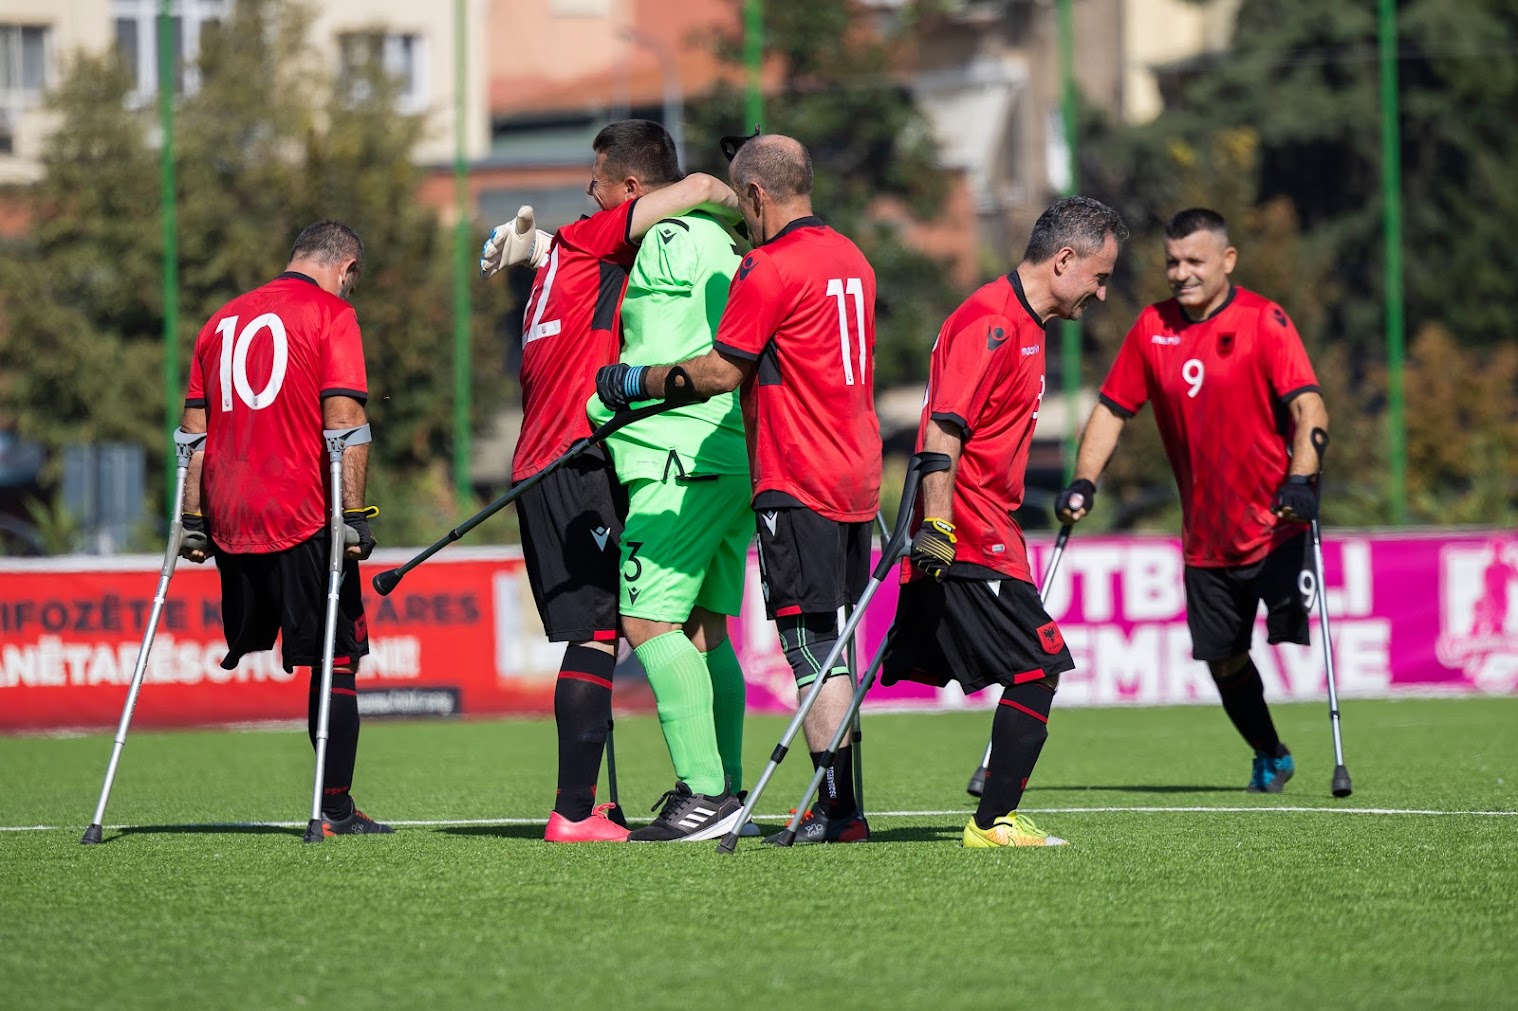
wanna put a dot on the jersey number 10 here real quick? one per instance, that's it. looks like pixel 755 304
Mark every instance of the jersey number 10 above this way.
pixel 234 360
pixel 840 288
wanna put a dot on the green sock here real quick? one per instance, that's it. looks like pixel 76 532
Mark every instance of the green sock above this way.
pixel 683 692
pixel 729 696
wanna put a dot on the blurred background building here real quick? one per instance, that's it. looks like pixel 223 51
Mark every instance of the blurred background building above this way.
pixel 941 128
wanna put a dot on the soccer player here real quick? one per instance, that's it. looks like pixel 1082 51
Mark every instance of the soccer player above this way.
pixel 1237 404
pixel 571 521
pixel 798 336
pixel 685 542
pixel 272 369
pixel 968 609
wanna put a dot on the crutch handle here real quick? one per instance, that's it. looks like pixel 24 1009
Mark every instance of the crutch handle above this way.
pixel 920 464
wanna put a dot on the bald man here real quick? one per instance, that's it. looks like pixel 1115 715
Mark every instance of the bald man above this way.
pixel 798 336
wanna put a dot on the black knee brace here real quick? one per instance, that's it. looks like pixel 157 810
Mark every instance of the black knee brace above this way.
pixel 807 640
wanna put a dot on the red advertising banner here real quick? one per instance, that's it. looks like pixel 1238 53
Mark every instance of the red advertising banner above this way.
pixel 1412 613
pixel 459 635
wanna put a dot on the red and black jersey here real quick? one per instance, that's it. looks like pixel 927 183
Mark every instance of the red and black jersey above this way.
pixel 1221 389
pixel 569 330
pixel 987 380
pixel 261 367
pixel 802 308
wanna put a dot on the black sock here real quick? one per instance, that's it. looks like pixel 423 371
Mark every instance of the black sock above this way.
pixel 342 740
pixel 1244 701
pixel 582 710
pixel 1018 732
pixel 837 792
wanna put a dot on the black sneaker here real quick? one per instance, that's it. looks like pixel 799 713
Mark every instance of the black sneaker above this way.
pixel 690 817
pixel 357 823
pixel 817 826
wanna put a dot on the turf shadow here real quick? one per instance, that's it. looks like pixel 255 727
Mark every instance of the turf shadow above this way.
pixel 1146 788
pixel 916 833
pixel 495 831
pixel 205 830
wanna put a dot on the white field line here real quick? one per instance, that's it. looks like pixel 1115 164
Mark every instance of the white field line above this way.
pixel 962 812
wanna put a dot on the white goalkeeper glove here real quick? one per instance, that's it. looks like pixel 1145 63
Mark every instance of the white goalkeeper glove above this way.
pixel 516 243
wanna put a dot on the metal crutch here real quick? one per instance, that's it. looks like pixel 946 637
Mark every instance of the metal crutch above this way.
pixel 186 445
pixel 337 439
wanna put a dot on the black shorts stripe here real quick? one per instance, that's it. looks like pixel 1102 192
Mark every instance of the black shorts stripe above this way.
pixel 809 564
pixel 283 594
pixel 571 543
pixel 1221 604
pixel 977 632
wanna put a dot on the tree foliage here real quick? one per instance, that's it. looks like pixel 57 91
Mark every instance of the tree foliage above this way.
pixel 1282 135
pixel 268 143
pixel 840 97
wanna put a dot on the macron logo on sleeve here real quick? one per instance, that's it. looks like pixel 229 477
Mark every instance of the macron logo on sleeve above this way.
pixel 746 266
pixel 995 338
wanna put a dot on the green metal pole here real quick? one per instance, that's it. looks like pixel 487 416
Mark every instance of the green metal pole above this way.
pixel 1391 193
pixel 461 262
pixel 753 59
pixel 173 391
pixel 1070 333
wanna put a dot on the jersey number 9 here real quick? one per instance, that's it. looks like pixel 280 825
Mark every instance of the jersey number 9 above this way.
pixel 1193 372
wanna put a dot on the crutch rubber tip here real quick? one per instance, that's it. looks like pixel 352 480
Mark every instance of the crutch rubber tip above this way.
pixel 729 843
pixel 787 837
pixel 977 784
pixel 1342 787
pixel 386 581
pixel 91 836
pixel 314 831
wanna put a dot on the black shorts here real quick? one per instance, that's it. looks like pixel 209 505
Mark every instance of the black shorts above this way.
pixel 809 564
pixel 978 632
pixel 284 593
pixel 571 540
pixel 1221 603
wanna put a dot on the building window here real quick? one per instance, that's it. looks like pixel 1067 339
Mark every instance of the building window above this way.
pixel 137 40
pixel 23 63
pixel 401 57
pixel 23 76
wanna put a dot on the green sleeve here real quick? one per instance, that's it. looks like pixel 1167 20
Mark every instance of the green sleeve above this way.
pixel 667 262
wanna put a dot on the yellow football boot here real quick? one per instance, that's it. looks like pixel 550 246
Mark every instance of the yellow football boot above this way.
pixel 1011 830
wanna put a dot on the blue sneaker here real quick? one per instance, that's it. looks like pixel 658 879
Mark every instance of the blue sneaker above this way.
pixel 1270 773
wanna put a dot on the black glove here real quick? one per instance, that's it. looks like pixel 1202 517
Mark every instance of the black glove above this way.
pixel 619 385
pixel 933 547
pixel 1297 497
pixel 1080 495
pixel 193 536
pixel 359 519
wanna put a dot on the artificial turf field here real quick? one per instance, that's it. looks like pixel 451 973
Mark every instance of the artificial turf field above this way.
pixel 1178 889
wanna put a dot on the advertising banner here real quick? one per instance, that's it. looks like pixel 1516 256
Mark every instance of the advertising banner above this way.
pixel 460 636
pixel 1409 614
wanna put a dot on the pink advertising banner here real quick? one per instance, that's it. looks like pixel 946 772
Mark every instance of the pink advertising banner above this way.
pixel 1409 614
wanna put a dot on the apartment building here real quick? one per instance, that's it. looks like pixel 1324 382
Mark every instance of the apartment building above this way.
pixel 415 42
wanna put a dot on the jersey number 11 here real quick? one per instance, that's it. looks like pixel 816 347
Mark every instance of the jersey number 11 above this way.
pixel 840 288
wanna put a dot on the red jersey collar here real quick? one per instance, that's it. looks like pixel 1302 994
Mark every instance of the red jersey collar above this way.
pixel 1017 286
pixel 810 221
pixel 1186 319
pixel 295 275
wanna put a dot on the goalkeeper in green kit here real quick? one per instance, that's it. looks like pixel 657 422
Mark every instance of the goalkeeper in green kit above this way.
pixel 689 523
